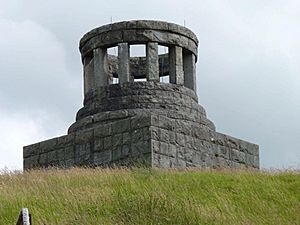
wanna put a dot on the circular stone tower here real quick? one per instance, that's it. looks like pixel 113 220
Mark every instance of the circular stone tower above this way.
pixel 130 116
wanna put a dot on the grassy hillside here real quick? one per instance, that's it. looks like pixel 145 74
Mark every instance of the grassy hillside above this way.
pixel 148 196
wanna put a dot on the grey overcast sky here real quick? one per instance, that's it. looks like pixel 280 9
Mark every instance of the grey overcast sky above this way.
pixel 248 70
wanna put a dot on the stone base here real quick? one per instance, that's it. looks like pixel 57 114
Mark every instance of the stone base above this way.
pixel 137 136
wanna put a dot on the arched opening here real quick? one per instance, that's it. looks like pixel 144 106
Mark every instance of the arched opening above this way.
pixel 137 59
pixel 112 54
pixel 138 50
pixel 163 52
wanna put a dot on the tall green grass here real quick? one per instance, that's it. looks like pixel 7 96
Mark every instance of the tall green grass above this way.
pixel 150 196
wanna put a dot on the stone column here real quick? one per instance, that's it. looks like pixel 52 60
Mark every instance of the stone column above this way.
pixel 88 74
pixel 101 67
pixel 123 61
pixel 152 64
pixel 189 68
pixel 176 65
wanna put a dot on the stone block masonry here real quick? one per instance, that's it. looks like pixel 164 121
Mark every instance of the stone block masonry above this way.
pixel 158 127
pixel 140 137
pixel 141 123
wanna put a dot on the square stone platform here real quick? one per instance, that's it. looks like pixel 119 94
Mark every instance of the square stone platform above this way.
pixel 139 137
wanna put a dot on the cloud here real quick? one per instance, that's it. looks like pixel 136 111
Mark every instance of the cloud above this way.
pixel 16 131
pixel 33 66
pixel 35 86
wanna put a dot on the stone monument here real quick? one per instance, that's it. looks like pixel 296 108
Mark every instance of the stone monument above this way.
pixel 128 122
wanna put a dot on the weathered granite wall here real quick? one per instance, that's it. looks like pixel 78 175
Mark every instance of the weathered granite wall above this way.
pixel 148 123
pixel 137 136
pixel 119 140
pixel 165 129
